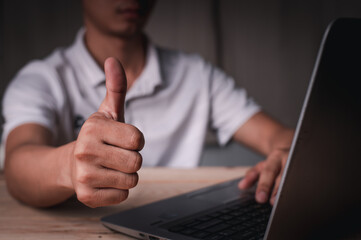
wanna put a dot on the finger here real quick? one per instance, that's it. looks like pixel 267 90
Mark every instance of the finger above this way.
pixel 116 85
pixel 251 176
pixel 113 133
pixel 120 159
pixel 123 136
pixel 101 197
pixel 266 180
pixel 107 178
pixel 275 189
pixel 116 179
pixel 278 180
pixel 249 179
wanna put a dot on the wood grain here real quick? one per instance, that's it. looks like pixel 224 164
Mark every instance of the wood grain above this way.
pixel 73 220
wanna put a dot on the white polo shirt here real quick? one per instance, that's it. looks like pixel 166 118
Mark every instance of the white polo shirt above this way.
pixel 173 102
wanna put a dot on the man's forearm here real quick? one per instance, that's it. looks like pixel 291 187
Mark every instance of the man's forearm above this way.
pixel 39 175
pixel 264 134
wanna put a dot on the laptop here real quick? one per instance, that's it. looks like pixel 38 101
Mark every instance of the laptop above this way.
pixel 320 191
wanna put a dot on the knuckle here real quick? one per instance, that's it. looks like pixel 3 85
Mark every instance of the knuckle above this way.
pixel 269 168
pixel 85 178
pixel 87 198
pixel 83 151
pixel 260 165
pixel 89 126
pixel 251 172
pixel 96 117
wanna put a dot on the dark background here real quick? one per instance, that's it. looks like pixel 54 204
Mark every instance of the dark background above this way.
pixel 268 46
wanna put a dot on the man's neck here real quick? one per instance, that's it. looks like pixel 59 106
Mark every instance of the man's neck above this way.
pixel 131 52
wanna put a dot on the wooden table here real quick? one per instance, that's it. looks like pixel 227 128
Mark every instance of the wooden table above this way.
pixel 72 220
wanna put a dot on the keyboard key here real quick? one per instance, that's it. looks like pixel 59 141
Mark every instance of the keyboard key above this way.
pixel 176 229
pixel 203 219
pixel 188 231
pixel 207 224
pixel 191 223
pixel 225 217
pixel 215 237
pixel 234 208
pixel 200 234
pixel 254 238
pixel 234 221
pixel 239 228
pixel 237 213
pixel 215 214
pixel 217 228
pixel 227 232
pixel 244 218
pixel 225 211
pixel 247 234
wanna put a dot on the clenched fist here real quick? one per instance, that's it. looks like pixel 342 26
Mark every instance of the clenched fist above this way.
pixel 106 154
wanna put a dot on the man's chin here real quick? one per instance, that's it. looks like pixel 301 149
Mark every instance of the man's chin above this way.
pixel 128 32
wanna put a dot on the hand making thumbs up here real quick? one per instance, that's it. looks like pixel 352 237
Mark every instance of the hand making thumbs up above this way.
pixel 106 157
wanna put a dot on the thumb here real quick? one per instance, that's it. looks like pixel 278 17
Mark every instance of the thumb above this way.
pixel 116 85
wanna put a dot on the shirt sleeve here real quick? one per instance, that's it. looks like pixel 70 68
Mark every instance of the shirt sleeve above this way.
pixel 29 99
pixel 230 105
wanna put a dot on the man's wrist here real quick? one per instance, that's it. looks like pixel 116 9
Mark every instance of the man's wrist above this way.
pixel 66 161
pixel 283 140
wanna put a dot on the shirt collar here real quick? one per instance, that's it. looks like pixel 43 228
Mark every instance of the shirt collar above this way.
pixel 150 78
pixel 145 84
pixel 95 75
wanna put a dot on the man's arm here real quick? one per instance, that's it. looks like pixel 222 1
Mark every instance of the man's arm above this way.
pixel 267 136
pixel 100 166
pixel 37 173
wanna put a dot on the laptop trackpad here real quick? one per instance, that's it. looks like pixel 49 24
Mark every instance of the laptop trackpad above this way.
pixel 223 193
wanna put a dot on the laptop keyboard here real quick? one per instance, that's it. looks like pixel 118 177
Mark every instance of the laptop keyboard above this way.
pixel 239 220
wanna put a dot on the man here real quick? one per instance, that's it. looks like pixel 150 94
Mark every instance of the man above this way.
pixel 171 97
